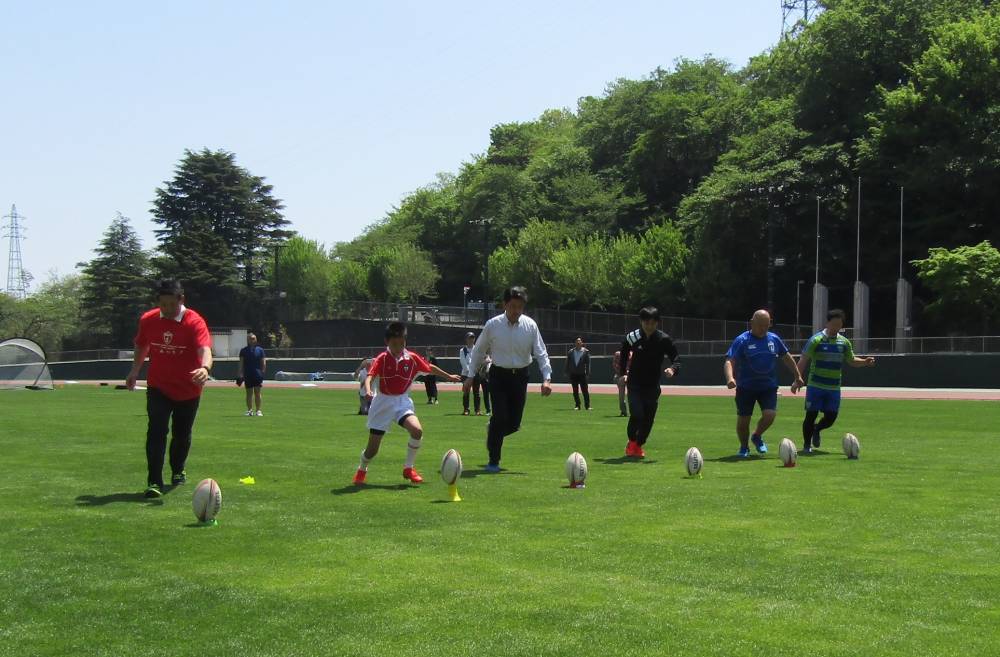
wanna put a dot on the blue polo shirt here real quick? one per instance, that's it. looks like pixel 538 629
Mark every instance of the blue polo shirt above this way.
pixel 756 360
pixel 253 362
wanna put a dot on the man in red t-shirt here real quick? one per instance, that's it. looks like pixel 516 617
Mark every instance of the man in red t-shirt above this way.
pixel 395 368
pixel 179 347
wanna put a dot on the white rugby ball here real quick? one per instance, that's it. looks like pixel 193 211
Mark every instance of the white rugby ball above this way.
pixel 576 469
pixel 693 461
pixel 852 448
pixel 207 500
pixel 787 452
pixel 451 467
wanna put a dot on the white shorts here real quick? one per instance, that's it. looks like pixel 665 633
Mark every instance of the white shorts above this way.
pixel 387 410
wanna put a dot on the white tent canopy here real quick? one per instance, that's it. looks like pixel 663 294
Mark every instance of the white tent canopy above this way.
pixel 23 365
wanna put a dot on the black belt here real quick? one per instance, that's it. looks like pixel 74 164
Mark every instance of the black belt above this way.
pixel 508 370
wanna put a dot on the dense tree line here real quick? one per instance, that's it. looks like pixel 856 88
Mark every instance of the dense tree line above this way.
pixel 670 188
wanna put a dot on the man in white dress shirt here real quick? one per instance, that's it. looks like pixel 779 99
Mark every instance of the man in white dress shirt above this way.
pixel 511 339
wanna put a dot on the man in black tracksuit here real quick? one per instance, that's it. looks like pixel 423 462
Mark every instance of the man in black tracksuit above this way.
pixel 647 346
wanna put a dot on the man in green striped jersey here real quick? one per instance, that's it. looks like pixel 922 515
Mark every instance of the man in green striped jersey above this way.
pixel 823 358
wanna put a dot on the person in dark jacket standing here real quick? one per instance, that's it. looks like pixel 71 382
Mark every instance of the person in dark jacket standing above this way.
pixel 578 372
pixel 647 346
pixel 430 381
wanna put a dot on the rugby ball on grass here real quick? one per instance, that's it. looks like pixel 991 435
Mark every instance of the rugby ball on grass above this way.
pixel 851 446
pixel 207 500
pixel 576 470
pixel 693 461
pixel 451 467
pixel 787 452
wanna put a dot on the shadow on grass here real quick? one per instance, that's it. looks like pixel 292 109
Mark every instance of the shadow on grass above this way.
pixel 815 452
pixel 350 489
pixel 483 472
pixel 622 460
pixel 101 500
pixel 735 458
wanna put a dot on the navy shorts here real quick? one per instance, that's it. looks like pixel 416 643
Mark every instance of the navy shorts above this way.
pixel 253 382
pixel 746 399
pixel 819 399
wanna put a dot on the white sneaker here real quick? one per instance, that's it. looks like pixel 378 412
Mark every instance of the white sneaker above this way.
pixel 249 413
pixel 260 413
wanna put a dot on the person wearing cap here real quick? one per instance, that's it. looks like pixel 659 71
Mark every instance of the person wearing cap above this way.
pixel 179 346
pixel 465 359
pixel 512 340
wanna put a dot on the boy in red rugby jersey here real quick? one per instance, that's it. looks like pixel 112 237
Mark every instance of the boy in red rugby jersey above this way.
pixel 396 367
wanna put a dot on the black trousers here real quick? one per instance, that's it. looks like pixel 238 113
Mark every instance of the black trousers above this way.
pixel 431 386
pixel 579 381
pixel 642 403
pixel 160 408
pixel 509 390
pixel 477 382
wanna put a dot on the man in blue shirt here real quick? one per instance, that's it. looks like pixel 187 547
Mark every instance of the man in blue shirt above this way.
pixel 754 356
pixel 253 365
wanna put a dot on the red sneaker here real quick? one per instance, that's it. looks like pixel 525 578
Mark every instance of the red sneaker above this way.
pixel 359 477
pixel 639 452
pixel 412 475
pixel 630 449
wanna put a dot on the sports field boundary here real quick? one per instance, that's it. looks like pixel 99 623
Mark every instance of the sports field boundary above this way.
pixel 930 394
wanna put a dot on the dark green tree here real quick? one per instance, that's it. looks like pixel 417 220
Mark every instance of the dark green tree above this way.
pixel 116 285
pixel 219 224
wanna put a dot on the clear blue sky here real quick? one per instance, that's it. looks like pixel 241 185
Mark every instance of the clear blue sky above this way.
pixel 343 108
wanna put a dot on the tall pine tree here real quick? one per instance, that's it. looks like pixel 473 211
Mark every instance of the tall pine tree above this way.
pixel 219 225
pixel 116 286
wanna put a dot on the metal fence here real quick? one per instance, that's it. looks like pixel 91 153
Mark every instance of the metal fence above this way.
pixel 586 322
pixel 931 345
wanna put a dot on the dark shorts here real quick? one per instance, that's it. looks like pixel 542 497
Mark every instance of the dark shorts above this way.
pixel 821 400
pixel 253 383
pixel 747 399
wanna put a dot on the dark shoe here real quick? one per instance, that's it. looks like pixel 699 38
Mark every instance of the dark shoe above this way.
pixel 154 491
pixel 178 478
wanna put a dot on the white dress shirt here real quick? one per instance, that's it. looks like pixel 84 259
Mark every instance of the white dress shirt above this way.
pixel 511 346
pixel 464 359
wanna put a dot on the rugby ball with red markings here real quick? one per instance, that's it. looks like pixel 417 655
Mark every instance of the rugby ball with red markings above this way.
pixel 207 500
pixel 576 470
pixel 451 467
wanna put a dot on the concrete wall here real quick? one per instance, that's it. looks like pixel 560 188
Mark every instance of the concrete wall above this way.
pixel 907 371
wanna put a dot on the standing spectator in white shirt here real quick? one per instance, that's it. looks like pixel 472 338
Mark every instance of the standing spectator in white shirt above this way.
pixel 512 339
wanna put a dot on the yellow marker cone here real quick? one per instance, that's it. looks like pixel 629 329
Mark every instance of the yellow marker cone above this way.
pixel 249 480
pixel 453 493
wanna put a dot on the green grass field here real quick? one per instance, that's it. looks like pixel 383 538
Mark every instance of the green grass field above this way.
pixel 894 554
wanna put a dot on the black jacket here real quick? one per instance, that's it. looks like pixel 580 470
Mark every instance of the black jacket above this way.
pixel 584 366
pixel 647 357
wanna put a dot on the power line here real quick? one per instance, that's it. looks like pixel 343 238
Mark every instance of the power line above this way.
pixel 17 281
pixel 795 15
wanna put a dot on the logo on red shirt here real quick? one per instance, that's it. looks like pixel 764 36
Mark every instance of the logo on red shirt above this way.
pixel 167 337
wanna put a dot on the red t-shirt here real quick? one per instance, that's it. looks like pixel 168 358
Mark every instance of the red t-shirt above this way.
pixel 396 374
pixel 173 351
